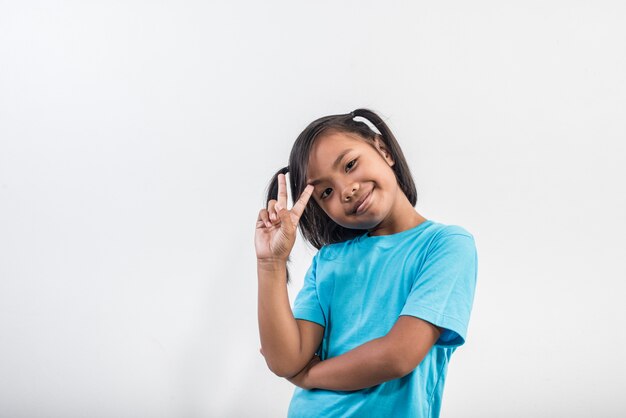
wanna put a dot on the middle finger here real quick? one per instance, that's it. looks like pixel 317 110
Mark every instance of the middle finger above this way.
pixel 282 191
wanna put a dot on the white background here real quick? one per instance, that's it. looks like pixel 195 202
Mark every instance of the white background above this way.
pixel 137 140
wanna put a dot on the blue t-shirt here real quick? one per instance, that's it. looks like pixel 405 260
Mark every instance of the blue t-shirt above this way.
pixel 357 289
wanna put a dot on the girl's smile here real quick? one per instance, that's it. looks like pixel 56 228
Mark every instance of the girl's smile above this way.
pixel 356 186
pixel 362 204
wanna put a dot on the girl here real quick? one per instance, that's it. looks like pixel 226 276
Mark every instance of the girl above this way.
pixel 388 296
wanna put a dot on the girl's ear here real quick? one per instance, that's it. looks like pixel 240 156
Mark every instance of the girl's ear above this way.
pixel 382 149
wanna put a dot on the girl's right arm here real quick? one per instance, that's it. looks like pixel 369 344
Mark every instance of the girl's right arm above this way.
pixel 287 345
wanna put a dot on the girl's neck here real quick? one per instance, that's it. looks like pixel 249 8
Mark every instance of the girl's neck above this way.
pixel 403 217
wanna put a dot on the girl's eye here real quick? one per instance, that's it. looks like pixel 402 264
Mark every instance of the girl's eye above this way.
pixel 322 196
pixel 350 164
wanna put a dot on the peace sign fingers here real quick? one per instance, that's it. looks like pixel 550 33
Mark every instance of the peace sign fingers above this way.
pixel 276 226
pixel 298 208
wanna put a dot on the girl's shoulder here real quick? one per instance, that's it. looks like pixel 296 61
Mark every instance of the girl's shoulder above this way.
pixel 440 230
pixel 443 235
pixel 451 239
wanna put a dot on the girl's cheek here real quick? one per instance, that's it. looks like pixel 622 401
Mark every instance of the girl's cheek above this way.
pixel 328 211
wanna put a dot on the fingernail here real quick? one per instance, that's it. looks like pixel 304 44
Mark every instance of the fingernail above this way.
pixel 273 216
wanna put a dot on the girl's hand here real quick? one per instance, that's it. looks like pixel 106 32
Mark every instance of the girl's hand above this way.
pixel 302 378
pixel 276 226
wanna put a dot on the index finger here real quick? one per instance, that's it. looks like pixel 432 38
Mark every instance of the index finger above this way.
pixel 298 207
pixel 282 191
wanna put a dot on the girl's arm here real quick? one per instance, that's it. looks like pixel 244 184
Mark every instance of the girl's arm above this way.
pixel 377 361
pixel 287 345
pixel 280 338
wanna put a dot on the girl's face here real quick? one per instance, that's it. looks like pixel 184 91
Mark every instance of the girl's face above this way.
pixel 354 182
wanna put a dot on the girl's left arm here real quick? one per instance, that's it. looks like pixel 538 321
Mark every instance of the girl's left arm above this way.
pixel 377 361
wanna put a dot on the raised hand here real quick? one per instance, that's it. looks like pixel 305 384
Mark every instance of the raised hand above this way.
pixel 276 226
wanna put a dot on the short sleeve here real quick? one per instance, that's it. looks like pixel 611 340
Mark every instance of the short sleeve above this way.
pixel 307 305
pixel 443 291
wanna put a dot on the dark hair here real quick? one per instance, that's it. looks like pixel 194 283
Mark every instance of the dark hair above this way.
pixel 315 226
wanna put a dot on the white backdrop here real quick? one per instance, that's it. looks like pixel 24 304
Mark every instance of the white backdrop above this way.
pixel 137 139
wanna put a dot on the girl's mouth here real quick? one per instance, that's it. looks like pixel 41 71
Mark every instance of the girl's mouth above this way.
pixel 363 206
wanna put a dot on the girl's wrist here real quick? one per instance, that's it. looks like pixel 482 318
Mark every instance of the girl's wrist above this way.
pixel 271 264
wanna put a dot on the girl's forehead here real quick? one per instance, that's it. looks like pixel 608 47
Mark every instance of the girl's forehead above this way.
pixel 333 136
pixel 334 143
pixel 328 145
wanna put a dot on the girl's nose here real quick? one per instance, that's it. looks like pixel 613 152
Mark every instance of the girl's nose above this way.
pixel 349 191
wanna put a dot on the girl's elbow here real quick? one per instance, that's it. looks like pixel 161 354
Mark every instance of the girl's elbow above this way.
pixel 282 370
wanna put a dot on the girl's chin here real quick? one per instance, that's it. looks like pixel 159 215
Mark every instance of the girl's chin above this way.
pixel 361 225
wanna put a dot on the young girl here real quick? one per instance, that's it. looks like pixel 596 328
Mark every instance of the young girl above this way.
pixel 388 296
